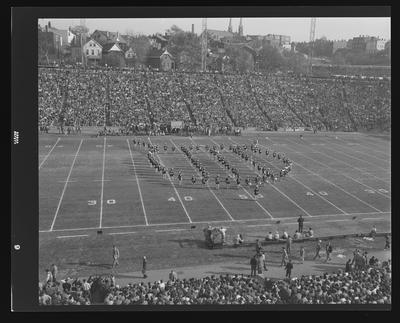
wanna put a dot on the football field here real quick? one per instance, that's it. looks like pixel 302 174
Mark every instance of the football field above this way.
pixel 87 184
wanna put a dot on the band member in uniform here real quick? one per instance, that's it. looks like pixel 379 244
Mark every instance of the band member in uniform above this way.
pixel 238 181
pixel 180 178
pixel 193 179
pixel 164 172
pixel 217 182
pixel 115 257
pixel 247 181
pixel 171 173
pixel 204 180
pixel 227 181
pixel 256 191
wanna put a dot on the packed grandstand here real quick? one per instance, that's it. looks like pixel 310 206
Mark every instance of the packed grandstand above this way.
pixel 368 285
pixel 131 99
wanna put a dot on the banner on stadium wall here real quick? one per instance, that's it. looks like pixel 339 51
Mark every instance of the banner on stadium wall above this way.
pixel 177 124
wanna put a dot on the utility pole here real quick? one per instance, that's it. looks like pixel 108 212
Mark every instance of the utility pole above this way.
pixel 312 39
pixel 204 46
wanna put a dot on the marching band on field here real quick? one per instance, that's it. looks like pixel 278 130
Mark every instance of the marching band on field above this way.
pixel 242 151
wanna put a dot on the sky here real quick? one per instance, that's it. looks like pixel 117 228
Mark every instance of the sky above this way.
pixel 297 28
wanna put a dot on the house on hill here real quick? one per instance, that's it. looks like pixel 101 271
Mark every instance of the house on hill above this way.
pixel 107 37
pixel 113 55
pixel 93 52
pixel 167 62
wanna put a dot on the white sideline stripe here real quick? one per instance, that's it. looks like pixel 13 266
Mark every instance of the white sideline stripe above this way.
pixel 48 154
pixel 275 188
pixel 65 186
pixel 295 179
pixel 222 221
pixel 337 171
pixel 80 235
pixel 338 220
pixel 137 182
pixel 253 198
pixel 102 180
pixel 220 203
pixel 122 232
pixel 365 219
pixel 173 185
pixel 328 181
pixel 102 184
pixel 171 230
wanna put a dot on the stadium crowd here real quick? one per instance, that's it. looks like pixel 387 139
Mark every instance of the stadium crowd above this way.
pixel 370 284
pixel 209 102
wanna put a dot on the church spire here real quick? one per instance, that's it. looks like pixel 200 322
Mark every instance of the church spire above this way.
pixel 230 25
pixel 240 28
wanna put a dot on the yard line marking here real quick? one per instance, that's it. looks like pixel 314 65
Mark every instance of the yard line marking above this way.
pixel 171 230
pixel 292 177
pixel 65 186
pixel 376 150
pixel 353 179
pixel 365 219
pixel 48 154
pixel 260 225
pixel 112 233
pixel 350 156
pixel 102 180
pixel 361 152
pixel 275 188
pixel 220 203
pixel 359 169
pixel 268 213
pixel 338 220
pixel 328 181
pixel 249 194
pixel 102 184
pixel 80 235
pixel 137 182
pixel 217 221
pixel 173 185
pixel 72 181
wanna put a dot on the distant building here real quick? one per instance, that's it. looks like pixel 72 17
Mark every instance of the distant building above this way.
pixel 220 35
pixel 108 37
pixel 375 45
pixel 338 44
pixel 92 51
pixel 166 61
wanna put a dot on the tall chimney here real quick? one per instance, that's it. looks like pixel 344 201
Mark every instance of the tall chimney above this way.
pixel 192 28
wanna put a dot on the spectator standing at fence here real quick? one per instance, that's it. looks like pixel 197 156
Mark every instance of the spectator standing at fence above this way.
pixel 49 277
pixel 289 241
pixel 328 250
pixel 253 266
pixel 300 220
pixel 387 242
pixel 289 267
pixel 348 267
pixel 54 272
pixel 144 267
pixel 318 249
pixel 173 276
pixel 285 256
pixel 302 254
pixel 115 257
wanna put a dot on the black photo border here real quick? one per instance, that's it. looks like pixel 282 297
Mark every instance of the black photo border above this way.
pixel 24 119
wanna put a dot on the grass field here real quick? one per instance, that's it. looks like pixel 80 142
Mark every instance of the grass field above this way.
pixel 90 183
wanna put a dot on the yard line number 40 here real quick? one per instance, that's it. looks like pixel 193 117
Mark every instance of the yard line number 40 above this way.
pixel 94 202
